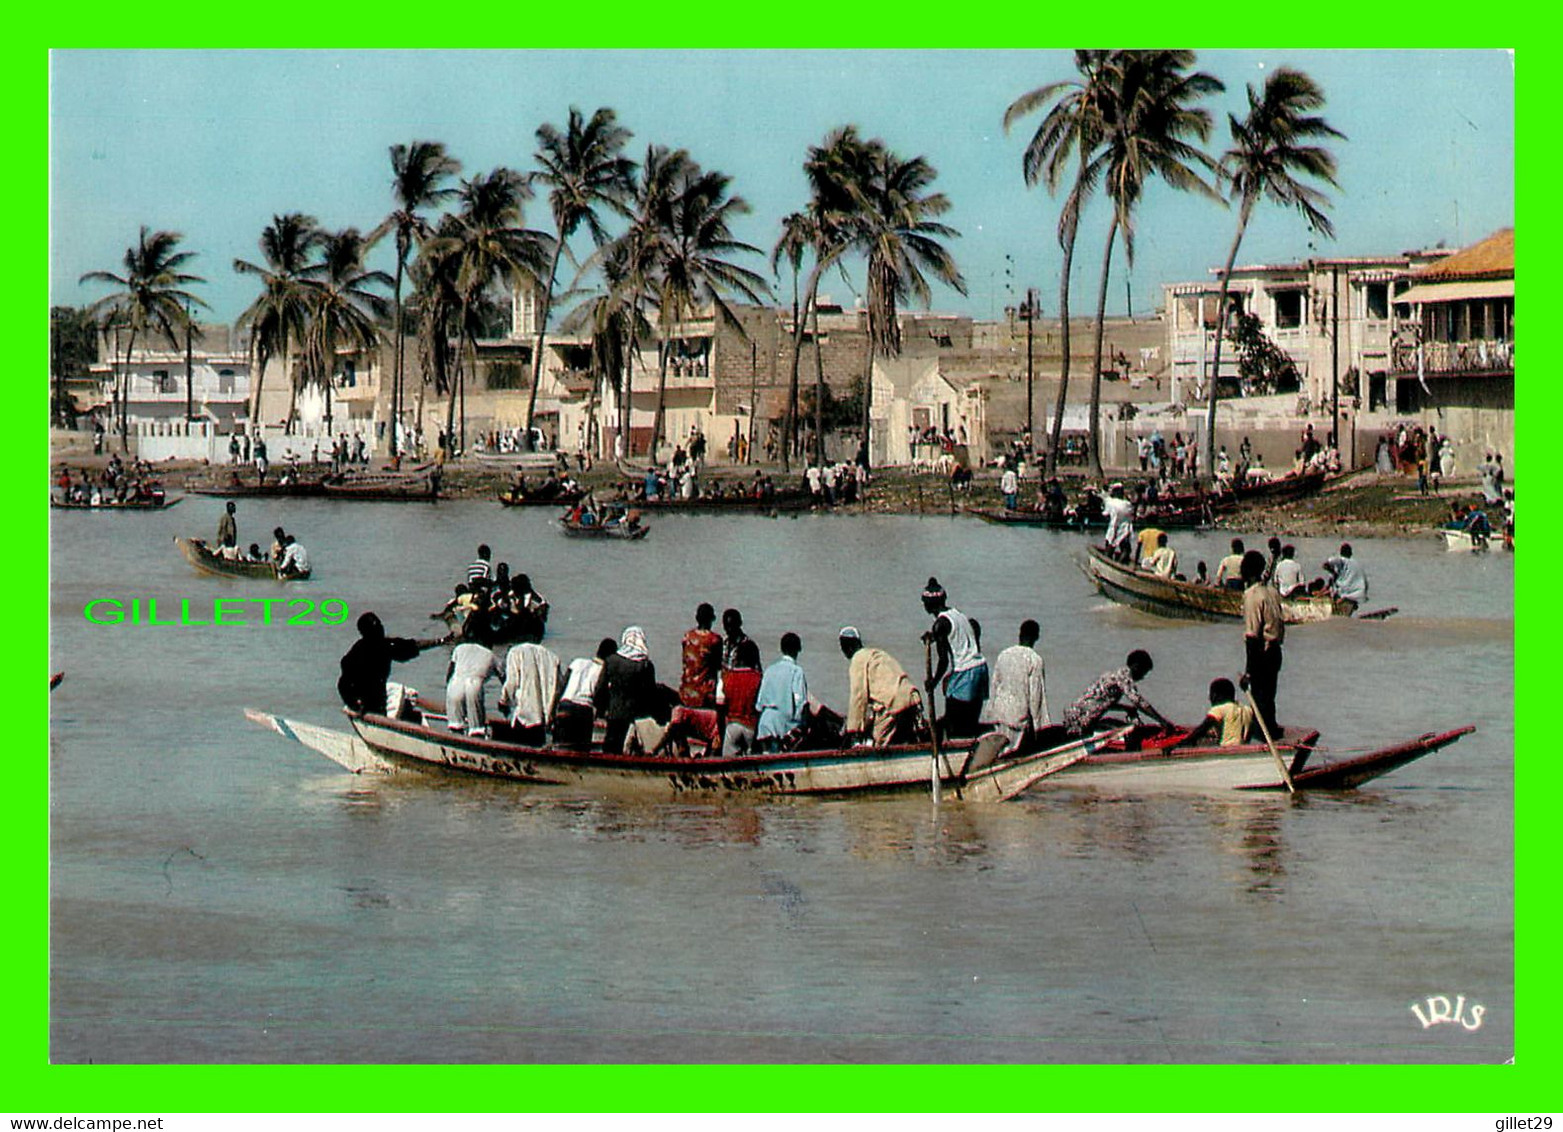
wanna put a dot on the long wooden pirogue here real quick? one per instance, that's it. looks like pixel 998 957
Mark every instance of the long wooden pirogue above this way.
pixel 1127 758
pixel 1191 601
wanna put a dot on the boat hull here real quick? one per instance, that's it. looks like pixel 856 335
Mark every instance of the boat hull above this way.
pixel 1190 602
pixel 143 505
pixel 853 770
pixel 611 531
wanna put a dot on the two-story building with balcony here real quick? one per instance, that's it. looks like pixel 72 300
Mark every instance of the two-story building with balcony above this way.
pixel 1453 362
pixel 1332 316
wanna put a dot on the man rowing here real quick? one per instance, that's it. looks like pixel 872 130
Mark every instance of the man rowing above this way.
pixel 960 666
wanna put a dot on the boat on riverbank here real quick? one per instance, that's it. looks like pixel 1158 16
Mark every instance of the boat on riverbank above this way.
pixel 382 743
pixel 1189 601
pixel 240 489
pixel 390 487
pixel 200 555
pixel 156 503
pixel 1183 517
pixel 540 499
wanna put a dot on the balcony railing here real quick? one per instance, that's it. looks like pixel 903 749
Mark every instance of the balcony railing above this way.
pixel 1482 355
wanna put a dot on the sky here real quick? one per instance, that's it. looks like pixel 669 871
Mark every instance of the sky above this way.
pixel 213 144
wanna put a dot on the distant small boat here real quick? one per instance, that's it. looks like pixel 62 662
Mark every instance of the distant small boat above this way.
pixel 158 502
pixel 199 555
pixel 618 529
pixel 54 681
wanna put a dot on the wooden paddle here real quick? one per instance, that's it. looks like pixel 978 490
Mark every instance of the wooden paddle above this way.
pixel 1264 729
pixel 933 723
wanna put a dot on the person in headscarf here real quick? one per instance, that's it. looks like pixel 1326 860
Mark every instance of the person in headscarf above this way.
pixel 367 665
pixel 626 691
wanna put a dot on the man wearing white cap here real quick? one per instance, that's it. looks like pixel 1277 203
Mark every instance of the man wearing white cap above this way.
pixel 881 697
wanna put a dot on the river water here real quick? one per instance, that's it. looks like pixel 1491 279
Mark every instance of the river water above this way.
pixel 222 895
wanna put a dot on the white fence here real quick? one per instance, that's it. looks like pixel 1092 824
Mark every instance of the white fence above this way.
pixel 203 440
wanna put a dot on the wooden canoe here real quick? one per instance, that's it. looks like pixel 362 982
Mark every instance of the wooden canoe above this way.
pixel 1190 601
pixel 429 745
pixel 383 489
pixel 162 504
pixel 272 490
pixel 1466 541
pixel 734 504
pixel 508 499
pixel 54 681
pixel 199 555
pixel 615 530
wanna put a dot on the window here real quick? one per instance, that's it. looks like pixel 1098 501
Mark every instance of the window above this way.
pixel 163 382
pixel 1288 310
pixel 508 375
pixel 225 381
pixel 349 373
pixel 1376 296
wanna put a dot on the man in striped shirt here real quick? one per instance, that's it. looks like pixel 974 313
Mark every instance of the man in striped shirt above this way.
pixel 481 570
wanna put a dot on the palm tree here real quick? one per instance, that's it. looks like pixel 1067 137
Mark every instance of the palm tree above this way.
pixel 1149 114
pixel 1072 127
pixel 584 171
pixel 1271 148
pixel 609 317
pixel 152 297
pixel 800 234
pixel 893 225
pixel 490 246
pixel 436 303
pixel 418 173
pixel 343 310
pixel 693 270
pixel 636 257
pixel 280 313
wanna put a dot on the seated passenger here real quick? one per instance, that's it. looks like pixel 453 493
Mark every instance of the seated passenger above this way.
pixel 1227 719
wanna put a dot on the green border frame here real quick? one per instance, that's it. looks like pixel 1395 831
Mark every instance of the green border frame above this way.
pixel 32 1085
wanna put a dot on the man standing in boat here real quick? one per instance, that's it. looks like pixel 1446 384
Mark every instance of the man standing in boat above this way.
pixel 1019 705
pixel 367 665
pixel 228 527
pixel 960 666
pixel 1119 539
pixel 1263 634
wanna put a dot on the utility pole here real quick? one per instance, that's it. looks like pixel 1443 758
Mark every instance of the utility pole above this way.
pixel 754 396
pixel 1031 314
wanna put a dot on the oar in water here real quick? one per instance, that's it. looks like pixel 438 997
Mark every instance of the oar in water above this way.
pixel 1264 729
pixel 933 722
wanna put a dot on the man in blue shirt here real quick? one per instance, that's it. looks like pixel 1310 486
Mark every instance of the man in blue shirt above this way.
pixel 783 700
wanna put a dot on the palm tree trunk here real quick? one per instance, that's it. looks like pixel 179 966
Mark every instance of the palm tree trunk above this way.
pixel 662 386
pixel 1057 432
pixel 868 390
pixel 124 397
pixel 810 293
pixel 396 353
pixel 819 390
pixel 791 427
pixel 1221 327
pixel 1096 357
pixel 542 331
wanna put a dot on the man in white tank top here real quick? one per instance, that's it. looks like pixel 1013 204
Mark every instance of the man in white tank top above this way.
pixel 961 666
